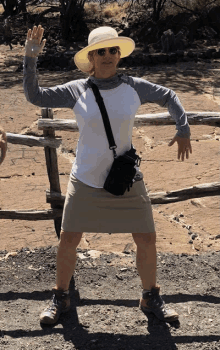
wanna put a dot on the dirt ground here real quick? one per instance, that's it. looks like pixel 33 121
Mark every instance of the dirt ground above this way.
pixel 104 303
pixel 24 178
pixel 103 316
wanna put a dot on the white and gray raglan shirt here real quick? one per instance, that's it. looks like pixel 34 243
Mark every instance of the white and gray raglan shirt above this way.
pixel 122 96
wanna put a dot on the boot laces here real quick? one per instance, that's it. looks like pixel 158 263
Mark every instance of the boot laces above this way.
pixel 55 303
pixel 157 301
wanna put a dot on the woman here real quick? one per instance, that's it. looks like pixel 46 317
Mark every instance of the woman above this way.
pixel 88 207
pixel 3 144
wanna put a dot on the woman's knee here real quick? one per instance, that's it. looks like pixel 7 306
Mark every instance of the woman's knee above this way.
pixel 70 238
pixel 144 239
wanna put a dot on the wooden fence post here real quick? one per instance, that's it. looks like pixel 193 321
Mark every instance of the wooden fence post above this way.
pixel 52 167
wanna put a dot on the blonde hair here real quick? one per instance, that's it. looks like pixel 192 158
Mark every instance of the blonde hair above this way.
pixel 91 53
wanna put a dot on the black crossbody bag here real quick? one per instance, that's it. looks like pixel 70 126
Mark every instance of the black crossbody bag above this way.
pixel 122 172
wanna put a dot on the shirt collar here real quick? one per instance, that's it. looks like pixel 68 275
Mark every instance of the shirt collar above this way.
pixel 106 84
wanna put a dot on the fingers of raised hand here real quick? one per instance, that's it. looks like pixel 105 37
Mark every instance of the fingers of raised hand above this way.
pixel 35 34
pixel 42 45
pixel 29 34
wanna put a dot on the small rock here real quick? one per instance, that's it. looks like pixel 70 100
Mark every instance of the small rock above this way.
pixel 8 255
pixel 197 203
pixel 82 256
pixel 94 253
pixel 191 241
pixel 119 277
pixel 124 269
pixel 194 235
pixel 127 248
pixel 217 237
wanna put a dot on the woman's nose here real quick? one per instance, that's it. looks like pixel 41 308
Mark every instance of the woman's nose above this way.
pixel 107 52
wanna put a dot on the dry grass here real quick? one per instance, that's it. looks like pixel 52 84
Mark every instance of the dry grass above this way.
pixel 37 9
pixel 92 7
pixel 192 5
pixel 108 10
pixel 115 10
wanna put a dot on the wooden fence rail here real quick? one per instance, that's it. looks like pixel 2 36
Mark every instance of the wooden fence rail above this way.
pixel 50 143
pixel 203 190
pixel 194 118
pixel 57 198
pixel 33 140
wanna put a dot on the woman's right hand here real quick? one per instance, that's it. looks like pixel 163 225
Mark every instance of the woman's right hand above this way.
pixel 34 43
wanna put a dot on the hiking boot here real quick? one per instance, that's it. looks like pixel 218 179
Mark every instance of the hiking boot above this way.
pixel 151 302
pixel 60 303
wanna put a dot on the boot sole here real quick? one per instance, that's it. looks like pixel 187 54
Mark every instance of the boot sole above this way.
pixel 168 319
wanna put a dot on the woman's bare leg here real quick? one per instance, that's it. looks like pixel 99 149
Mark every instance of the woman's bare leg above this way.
pixel 146 258
pixel 66 258
pixel 151 301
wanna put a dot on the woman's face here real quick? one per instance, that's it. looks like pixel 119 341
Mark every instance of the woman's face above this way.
pixel 105 61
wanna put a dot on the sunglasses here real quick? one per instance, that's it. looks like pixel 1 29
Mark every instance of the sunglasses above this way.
pixel 112 51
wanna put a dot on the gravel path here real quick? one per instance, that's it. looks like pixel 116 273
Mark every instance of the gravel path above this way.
pixel 105 295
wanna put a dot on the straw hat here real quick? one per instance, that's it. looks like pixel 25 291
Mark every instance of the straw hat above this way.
pixel 99 38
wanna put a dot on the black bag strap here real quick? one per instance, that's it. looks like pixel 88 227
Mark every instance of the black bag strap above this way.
pixel 105 117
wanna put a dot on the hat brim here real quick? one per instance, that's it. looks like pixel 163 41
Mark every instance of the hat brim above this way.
pixel 127 46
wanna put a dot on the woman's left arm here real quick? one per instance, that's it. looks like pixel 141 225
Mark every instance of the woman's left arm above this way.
pixel 149 92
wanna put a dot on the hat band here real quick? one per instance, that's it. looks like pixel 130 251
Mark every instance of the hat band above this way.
pixel 101 37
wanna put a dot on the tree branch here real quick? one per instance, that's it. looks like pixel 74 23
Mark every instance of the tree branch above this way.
pixel 182 7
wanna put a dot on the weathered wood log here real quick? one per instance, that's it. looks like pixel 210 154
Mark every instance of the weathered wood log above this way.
pixel 203 190
pixel 55 197
pixel 52 167
pixel 58 124
pixel 33 141
pixel 194 118
pixel 32 215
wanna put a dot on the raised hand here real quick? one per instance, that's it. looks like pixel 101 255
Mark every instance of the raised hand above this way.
pixel 184 147
pixel 34 44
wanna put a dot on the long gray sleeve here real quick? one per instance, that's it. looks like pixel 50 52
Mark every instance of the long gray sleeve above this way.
pixel 149 92
pixel 60 96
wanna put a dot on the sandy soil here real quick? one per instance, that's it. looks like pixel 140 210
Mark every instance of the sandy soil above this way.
pixel 24 178
pixel 104 310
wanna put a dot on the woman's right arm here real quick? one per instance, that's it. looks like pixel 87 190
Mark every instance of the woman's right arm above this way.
pixel 3 144
pixel 60 96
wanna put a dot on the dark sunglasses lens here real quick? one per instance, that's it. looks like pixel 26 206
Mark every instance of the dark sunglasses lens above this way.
pixel 101 52
pixel 113 50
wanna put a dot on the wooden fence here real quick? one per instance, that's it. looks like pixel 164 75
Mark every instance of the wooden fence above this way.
pixel 51 143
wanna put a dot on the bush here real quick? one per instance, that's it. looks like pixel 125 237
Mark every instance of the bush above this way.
pixel 92 7
pixel 115 10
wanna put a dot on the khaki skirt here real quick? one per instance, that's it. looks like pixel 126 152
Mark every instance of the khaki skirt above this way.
pixel 89 209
